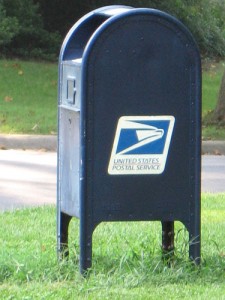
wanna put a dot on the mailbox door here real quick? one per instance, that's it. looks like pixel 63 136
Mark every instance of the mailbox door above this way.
pixel 140 67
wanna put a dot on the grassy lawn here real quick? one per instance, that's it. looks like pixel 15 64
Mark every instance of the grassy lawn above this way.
pixel 28 97
pixel 211 79
pixel 126 259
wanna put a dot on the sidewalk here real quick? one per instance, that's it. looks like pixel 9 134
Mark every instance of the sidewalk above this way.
pixel 49 143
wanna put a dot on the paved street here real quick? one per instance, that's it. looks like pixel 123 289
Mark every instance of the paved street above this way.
pixel 213 173
pixel 28 178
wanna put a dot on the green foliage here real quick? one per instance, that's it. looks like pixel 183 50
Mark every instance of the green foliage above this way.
pixel 27 37
pixel 206 20
pixel 58 15
pixel 35 28
pixel 8 26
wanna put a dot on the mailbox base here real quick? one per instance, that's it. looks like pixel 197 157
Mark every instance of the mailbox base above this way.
pixel 86 233
pixel 195 243
pixel 168 240
pixel 85 242
pixel 64 221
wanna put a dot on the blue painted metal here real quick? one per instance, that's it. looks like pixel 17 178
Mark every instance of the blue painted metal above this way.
pixel 132 62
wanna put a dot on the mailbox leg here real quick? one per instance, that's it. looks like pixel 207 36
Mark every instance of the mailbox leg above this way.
pixel 168 239
pixel 63 234
pixel 85 248
pixel 195 244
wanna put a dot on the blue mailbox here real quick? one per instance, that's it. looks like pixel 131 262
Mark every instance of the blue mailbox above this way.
pixel 129 125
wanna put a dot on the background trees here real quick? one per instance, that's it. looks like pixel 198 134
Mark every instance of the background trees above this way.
pixel 36 28
pixel 219 112
pixel 8 26
pixel 24 34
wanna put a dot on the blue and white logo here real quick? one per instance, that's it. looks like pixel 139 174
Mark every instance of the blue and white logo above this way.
pixel 141 145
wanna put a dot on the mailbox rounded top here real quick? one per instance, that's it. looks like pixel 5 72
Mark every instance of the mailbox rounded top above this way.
pixel 79 35
pixel 84 34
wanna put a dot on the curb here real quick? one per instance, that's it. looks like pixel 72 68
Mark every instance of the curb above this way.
pixel 213 147
pixel 31 142
pixel 49 143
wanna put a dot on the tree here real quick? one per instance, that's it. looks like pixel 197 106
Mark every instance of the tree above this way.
pixel 22 32
pixel 219 112
pixel 8 26
pixel 35 28
pixel 59 16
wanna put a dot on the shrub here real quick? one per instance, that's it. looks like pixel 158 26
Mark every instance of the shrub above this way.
pixel 29 39
pixel 35 28
pixel 8 26
pixel 204 18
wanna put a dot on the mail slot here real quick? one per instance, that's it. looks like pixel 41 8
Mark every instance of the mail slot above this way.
pixel 129 126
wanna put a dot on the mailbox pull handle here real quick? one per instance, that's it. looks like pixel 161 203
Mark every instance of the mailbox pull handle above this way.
pixel 71 90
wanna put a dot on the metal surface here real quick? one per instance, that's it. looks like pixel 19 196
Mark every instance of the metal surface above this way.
pixel 70 86
pixel 69 137
pixel 69 160
pixel 168 239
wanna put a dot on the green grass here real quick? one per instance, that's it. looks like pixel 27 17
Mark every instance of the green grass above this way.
pixel 211 80
pixel 126 259
pixel 213 132
pixel 28 97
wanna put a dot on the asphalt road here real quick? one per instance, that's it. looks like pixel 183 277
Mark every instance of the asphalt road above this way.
pixel 213 173
pixel 28 178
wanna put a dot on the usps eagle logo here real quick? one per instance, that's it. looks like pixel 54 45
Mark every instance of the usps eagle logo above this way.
pixel 141 145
